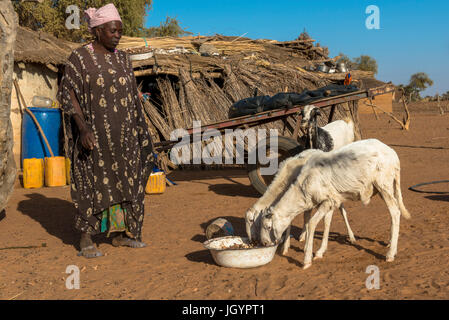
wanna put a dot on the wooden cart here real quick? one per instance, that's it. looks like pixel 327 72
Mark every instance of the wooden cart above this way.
pixel 287 145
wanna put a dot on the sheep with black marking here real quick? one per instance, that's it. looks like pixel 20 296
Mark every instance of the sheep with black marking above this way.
pixel 332 136
pixel 356 171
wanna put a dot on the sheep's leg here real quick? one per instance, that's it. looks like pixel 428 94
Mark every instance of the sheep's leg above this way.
pixel 345 217
pixel 302 237
pixel 286 241
pixel 395 214
pixel 323 209
pixel 327 226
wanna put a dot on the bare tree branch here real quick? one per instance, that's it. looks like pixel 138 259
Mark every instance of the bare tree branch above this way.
pixel 405 124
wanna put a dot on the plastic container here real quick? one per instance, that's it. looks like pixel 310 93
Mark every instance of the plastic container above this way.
pixel 33 173
pixel 41 102
pixel 33 145
pixel 156 183
pixel 55 172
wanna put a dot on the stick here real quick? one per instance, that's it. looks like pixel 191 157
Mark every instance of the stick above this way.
pixel 405 125
pixel 239 37
pixel 20 99
pixel 374 110
pixel 43 245
pixel 438 105
pixel 16 84
pixel 12 298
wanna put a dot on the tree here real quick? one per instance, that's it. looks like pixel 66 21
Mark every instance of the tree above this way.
pixel 170 28
pixel 366 63
pixel 445 96
pixel 50 16
pixel 347 61
pixel 304 35
pixel 8 30
pixel 407 92
pixel 419 82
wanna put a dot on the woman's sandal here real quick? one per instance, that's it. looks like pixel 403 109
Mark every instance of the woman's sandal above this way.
pixel 128 242
pixel 90 252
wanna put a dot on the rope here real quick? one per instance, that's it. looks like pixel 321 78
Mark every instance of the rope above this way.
pixel 413 188
pixel 33 117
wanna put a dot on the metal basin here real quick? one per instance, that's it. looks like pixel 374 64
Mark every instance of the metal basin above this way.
pixel 323 68
pixel 238 258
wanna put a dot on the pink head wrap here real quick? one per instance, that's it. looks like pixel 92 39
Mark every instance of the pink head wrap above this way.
pixel 97 17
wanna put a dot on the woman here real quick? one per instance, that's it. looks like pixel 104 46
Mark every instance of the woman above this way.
pixel 108 138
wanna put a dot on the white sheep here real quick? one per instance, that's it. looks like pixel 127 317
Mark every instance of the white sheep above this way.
pixel 289 170
pixel 330 137
pixel 286 175
pixel 355 172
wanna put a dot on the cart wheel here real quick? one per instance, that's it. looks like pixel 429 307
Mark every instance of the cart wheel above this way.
pixel 287 147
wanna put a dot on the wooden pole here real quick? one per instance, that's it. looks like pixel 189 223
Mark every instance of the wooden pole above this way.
pixel 438 105
pixel 8 31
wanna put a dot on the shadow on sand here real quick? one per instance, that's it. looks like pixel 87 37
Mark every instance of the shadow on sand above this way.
pixel 56 216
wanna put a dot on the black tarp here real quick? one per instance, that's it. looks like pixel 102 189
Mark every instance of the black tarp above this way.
pixel 285 100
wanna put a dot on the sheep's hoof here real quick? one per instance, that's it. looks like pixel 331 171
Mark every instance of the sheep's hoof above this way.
pixel 306 266
pixel 352 240
pixel 302 237
pixel 318 256
pixel 284 252
pixel 390 259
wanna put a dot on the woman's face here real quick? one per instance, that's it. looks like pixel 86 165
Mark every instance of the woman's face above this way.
pixel 109 34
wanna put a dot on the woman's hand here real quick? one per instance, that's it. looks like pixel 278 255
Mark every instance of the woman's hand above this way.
pixel 87 139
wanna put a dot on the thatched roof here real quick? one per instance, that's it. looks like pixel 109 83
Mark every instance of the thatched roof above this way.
pixel 269 56
pixel 40 47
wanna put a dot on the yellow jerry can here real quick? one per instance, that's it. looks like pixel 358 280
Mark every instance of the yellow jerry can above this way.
pixel 156 183
pixel 55 172
pixel 33 173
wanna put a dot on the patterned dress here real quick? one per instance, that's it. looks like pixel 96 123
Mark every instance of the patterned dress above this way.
pixel 117 170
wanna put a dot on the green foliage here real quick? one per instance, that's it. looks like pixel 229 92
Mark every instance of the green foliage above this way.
pixel 347 61
pixel 366 63
pixel 50 16
pixel 170 28
pixel 418 82
pixel 445 96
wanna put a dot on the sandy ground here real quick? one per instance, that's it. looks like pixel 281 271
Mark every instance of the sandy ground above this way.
pixel 175 265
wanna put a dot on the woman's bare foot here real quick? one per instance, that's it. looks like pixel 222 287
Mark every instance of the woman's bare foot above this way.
pixel 88 249
pixel 122 240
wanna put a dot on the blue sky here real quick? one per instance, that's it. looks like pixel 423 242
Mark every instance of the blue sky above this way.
pixel 413 35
